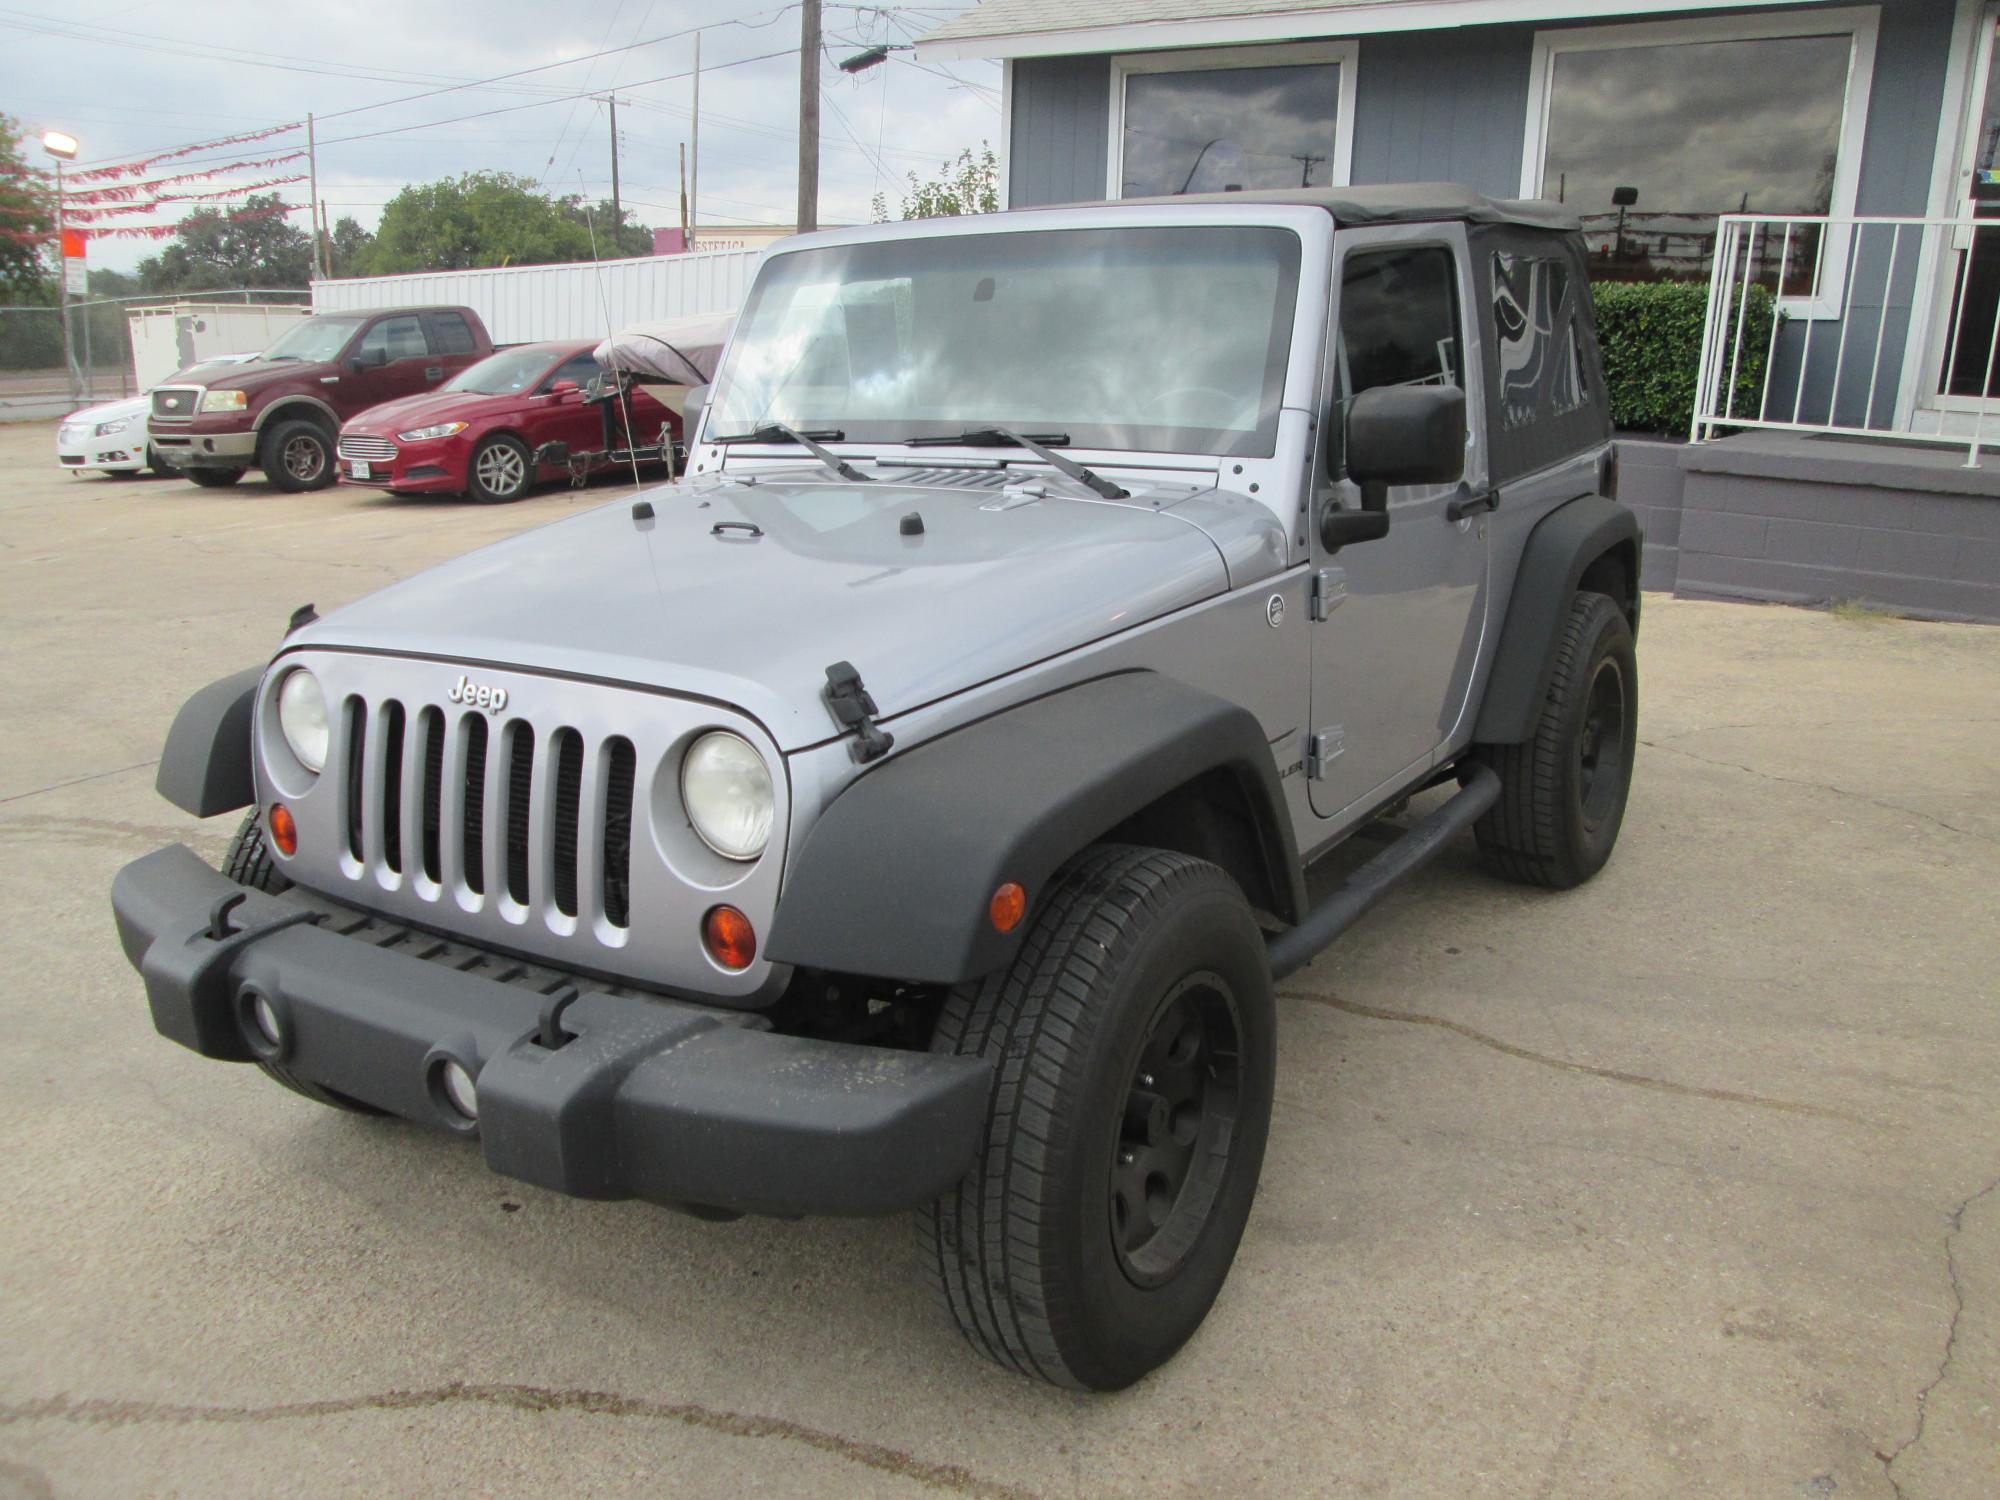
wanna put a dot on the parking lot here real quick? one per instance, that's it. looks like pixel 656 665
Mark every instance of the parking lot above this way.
pixel 1684 1183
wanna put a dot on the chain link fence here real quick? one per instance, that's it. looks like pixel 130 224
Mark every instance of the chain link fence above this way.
pixel 36 385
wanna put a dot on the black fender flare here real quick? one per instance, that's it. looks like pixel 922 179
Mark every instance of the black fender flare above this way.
pixel 1559 551
pixel 205 767
pixel 895 878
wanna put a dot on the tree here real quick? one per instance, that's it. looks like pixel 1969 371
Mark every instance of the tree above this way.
pixel 254 245
pixel 347 247
pixel 27 221
pixel 492 219
pixel 969 185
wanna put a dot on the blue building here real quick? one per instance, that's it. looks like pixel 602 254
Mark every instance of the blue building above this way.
pixel 1857 146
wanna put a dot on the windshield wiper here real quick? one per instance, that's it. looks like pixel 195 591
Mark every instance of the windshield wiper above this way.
pixel 993 437
pixel 778 432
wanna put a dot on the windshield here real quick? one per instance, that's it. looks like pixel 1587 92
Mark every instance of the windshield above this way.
pixel 507 373
pixel 315 340
pixel 1159 340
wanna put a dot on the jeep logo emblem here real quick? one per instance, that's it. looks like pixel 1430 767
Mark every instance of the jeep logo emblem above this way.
pixel 470 693
pixel 1275 611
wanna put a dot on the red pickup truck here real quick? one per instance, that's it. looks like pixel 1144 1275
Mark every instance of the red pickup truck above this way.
pixel 280 412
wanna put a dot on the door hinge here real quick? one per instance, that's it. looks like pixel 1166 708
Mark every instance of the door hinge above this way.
pixel 1323 748
pixel 1329 592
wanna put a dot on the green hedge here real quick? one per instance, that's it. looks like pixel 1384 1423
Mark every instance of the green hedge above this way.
pixel 1651 333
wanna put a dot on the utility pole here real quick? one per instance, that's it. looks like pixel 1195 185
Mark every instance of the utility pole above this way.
pixel 312 191
pixel 808 117
pixel 617 216
pixel 694 151
pixel 684 195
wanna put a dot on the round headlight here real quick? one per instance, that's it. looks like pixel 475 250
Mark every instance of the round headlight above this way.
pixel 302 716
pixel 726 788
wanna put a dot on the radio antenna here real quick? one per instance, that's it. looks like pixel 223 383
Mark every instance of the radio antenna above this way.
pixel 624 397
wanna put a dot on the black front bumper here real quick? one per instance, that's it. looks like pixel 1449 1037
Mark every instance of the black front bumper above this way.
pixel 641 1097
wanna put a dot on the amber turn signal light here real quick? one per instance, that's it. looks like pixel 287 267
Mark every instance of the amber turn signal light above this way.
pixel 730 939
pixel 1008 906
pixel 284 830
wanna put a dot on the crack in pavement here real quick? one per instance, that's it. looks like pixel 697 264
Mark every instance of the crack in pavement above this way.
pixel 1956 1222
pixel 1563 1064
pixel 56 786
pixel 1824 786
pixel 529 1398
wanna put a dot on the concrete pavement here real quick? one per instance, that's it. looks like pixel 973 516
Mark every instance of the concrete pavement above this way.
pixel 1684 1183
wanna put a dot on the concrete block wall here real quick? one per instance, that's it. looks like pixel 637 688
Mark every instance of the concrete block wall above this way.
pixel 1808 520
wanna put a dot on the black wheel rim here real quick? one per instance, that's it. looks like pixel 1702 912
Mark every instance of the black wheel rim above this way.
pixel 1176 1129
pixel 304 458
pixel 1600 748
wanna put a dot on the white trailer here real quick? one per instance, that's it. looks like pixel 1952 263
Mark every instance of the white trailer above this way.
pixel 580 300
pixel 170 336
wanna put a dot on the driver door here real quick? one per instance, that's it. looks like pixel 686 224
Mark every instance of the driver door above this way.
pixel 1398 622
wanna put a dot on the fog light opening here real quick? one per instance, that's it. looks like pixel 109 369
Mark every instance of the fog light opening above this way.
pixel 730 939
pixel 460 1091
pixel 284 830
pixel 266 1019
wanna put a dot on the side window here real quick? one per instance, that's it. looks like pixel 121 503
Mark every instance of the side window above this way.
pixel 583 369
pixel 1541 358
pixel 451 335
pixel 1399 324
pixel 399 338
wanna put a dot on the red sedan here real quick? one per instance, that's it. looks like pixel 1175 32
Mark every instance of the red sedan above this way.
pixel 478 434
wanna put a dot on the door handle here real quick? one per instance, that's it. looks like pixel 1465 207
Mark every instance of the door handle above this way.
pixel 1471 505
pixel 435 372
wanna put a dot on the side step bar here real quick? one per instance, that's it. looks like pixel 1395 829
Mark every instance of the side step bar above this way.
pixel 1294 948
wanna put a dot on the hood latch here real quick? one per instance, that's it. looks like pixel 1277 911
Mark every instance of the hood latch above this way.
pixel 854 709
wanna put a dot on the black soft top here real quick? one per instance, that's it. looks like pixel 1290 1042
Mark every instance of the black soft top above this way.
pixel 1402 203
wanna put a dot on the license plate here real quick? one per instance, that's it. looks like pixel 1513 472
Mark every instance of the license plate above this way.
pixel 360 471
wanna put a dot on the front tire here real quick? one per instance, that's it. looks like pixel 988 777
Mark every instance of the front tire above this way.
pixel 296 456
pixel 249 862
pixel 501 470
pixel 1133 1042
pixel 1563 789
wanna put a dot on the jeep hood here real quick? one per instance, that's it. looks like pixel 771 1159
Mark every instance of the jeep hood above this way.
pixel 747 592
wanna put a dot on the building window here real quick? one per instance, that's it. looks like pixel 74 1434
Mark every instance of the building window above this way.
pixel 1235 120
pixel 1650 132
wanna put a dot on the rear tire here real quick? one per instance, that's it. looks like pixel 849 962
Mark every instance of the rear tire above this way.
pixel 296 456
pixel 213 479
pixel 501 470
pixel 249 862
pixel 1133 1049
pixel 1563 789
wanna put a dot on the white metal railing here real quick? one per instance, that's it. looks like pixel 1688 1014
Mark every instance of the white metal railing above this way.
pixel 1876 329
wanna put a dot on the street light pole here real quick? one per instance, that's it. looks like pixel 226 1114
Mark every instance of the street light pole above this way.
pixel 63 147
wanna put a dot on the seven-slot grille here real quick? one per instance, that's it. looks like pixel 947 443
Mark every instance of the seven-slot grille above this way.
pixel 374 450
pixel 458 805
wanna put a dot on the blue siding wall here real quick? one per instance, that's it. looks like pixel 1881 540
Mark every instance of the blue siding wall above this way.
pixel 1061 131
pixel 1444 106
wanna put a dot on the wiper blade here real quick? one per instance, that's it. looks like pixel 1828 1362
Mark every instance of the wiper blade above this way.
pixel 987 437
pixel 778 432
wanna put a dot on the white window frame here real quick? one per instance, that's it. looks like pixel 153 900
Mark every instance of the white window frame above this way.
pixel 1861 23
pixel 1208 59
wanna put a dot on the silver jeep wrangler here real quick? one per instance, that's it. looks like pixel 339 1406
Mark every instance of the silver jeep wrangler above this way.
pixel 912 808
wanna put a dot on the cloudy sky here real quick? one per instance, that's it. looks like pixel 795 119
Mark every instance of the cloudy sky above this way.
pixel 132 78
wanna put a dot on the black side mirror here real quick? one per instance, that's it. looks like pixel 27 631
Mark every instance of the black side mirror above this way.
pixel 1396 434
pixel 692 406
pixel 369 359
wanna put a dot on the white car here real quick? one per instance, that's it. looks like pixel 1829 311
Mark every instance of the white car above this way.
pixel 112 438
